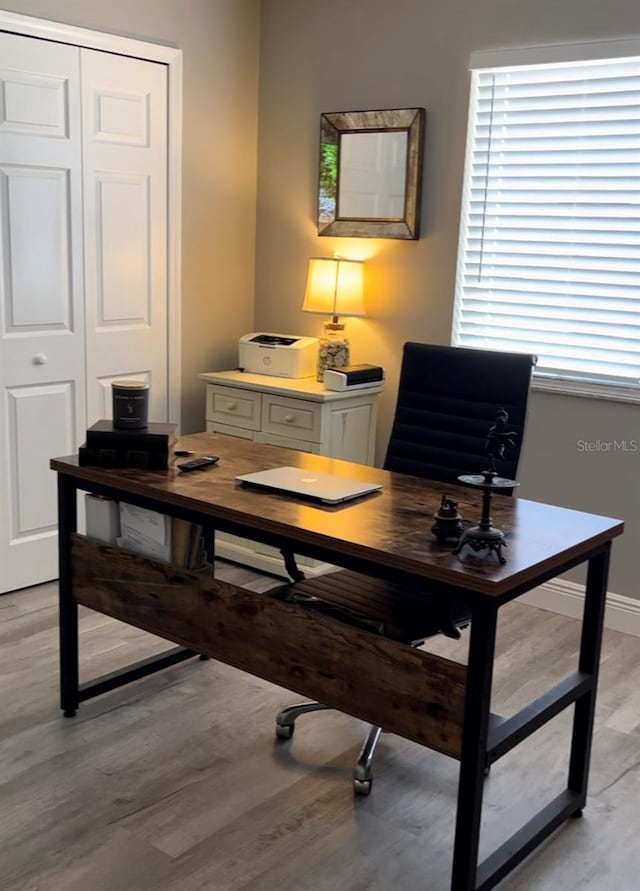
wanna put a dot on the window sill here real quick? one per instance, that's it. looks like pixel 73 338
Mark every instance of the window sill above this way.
pixel 586 389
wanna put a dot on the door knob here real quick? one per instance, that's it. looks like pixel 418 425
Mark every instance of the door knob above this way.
pixel 39 359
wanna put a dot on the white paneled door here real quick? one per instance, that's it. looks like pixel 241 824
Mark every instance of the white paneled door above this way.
pixel 83 259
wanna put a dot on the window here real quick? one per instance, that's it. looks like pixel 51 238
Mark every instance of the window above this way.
pixel 549 254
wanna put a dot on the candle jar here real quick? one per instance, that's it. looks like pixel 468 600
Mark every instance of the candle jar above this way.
pixel 130 404
pixel 333 351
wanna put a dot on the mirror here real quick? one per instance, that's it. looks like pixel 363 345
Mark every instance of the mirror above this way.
pixel 370 173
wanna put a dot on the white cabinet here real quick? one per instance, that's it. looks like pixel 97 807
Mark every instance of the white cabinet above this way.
pixel 294 413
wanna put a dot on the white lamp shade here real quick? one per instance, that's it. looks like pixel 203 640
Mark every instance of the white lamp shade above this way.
pixel 335 287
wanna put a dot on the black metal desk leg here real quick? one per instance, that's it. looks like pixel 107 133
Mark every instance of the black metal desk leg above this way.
pixel 67 520
pixel 209 533
pixel 590 646
pixel 474 746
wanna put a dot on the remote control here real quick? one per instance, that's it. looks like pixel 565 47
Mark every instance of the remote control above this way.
pixel 198 463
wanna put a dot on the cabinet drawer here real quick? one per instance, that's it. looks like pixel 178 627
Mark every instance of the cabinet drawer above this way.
pixel 235 407
pixel 292 418
pixel 229 431
pixel 287 442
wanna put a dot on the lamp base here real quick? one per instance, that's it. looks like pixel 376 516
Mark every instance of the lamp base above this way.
pixel 333 351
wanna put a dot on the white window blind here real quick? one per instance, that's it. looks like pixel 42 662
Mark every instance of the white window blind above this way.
pixel 549 255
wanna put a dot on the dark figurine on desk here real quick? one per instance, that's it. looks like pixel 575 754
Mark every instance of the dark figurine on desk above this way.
pixel 499 438
pixel 485 537
pixel 448 522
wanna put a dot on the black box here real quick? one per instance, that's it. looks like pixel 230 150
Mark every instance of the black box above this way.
pixel 154 437
pixel 117 456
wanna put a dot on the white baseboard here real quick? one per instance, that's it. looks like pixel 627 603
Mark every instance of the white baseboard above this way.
pixel 567 599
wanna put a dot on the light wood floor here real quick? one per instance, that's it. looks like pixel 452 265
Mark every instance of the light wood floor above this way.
pixel 177 782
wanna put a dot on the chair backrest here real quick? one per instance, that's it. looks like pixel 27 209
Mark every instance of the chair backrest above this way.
pixel 448 398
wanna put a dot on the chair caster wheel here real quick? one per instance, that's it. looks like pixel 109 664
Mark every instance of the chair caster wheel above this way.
pixel 362 787
pixel 203 658
pixel 284 731
pixel 576 814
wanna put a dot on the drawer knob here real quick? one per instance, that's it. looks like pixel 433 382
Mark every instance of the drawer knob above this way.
pixel 289 419
pixel 232 406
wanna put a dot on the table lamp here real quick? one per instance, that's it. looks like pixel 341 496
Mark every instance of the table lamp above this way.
pixel 335 288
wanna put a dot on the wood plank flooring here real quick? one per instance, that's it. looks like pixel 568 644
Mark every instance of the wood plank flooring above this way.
pixel 177 782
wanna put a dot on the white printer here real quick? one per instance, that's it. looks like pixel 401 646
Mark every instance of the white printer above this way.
pixel 282 355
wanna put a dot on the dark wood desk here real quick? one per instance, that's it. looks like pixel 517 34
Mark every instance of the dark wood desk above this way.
pixel 433 701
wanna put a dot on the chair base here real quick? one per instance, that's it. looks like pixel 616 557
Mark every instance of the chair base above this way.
pixel 286 717
pixel 362 774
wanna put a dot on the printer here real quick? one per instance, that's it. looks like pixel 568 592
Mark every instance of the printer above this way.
pixel 282 355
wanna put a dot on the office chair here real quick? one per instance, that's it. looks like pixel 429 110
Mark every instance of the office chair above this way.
pixel 447 400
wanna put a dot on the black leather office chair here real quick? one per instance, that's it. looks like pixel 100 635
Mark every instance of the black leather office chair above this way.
pixel 447 400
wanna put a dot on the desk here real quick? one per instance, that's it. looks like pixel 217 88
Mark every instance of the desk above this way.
pixel 433 701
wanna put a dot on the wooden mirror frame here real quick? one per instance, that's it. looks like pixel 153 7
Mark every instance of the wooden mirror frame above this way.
pixel 332 126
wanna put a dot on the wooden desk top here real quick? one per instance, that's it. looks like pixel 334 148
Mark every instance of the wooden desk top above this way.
pixel 390 529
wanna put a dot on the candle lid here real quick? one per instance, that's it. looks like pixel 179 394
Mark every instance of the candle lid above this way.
pixel 131 385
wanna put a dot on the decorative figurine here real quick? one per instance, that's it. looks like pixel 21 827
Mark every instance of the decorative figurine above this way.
pixel 499 438
pixel 448 522
pixel 485 536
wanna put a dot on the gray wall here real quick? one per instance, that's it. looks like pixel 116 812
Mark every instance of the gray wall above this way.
pixel 335 55
pixel 220 44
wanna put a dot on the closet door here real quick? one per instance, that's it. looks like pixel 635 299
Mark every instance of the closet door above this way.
pixel 42 357
pixel 83 268
pixel 124 123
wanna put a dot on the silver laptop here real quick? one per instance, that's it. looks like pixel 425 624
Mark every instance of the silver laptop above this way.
pixel 324 487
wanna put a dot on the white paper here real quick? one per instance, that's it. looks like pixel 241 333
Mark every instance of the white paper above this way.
pixel 147 524
pixel 145 546
pixel 145 532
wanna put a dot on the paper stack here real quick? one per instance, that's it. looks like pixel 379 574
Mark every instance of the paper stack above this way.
pixel 145 532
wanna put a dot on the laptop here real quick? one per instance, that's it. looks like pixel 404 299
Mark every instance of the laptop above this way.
pixel 324 487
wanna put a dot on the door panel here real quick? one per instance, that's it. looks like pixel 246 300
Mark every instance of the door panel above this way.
pixel 31 451
pixel 125 187
pixel 36 294
pixel 123 289
pixel 33 104
pixel 42 363
pixel 121 117
pixel 31 527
